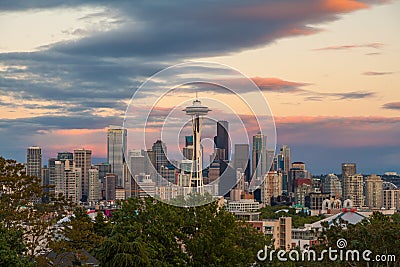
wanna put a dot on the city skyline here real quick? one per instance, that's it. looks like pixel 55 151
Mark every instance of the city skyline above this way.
pixel 329 70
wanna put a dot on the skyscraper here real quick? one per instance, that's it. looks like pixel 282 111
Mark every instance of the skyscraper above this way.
pixel 116 140
pixel 332 186
pixel 283 164
pixel 73 184
pixel 93 185
pixel 65 155
pixel 52 174
pixel 160 152
pixel 242 159
pixel 348 169
pixel 271 187
pixel 353 189
pixel 188 149
pixel 83 160
pixel 59 179
pixel 137 162
pixel 374 194
pixel 110 185
pixel 259 155
pixel 222 138
pixel 34 161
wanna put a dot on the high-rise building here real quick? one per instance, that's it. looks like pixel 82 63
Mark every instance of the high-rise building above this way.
pixel 117 143
pixel 298 175
pixel 83 160
pixel 34 161
pixel 353 189
pixel 52 174
pixel 241 156
pixel 110 186
pixel 331 185
pixel 259 156
pixel 348 169
pixel 103 168
pixel 45 176
pixel 284 166
pixel 374 194
pixel 241 159
pixel 93 185
pixel 270 160
pixel 188 149
pixel 150 162
pixel 391 199
pixel 65 156
pixel 271 187
pixel 222 138
pixel 73 184
pixel 59 179
pixel 137 161
pixel 160 152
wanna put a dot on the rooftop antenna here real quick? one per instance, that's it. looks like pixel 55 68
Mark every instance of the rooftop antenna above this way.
pixel 196 95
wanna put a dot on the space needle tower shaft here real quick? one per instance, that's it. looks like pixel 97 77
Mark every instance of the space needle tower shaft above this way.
pixel 196 111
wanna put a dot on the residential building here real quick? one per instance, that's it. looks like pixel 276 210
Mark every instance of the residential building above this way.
pixel 353 189
pixel 391 199
pixel 94 181
pixel 83 160
pixel 280 230
pixel 271 187
pixel 373 192
pixel 331 185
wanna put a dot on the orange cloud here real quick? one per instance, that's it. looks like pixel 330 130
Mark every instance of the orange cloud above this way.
pixel 344 5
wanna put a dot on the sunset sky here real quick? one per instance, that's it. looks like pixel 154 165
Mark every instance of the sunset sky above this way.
pixel 329 69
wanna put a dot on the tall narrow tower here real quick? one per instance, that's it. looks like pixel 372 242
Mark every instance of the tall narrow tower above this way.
pixel 196 111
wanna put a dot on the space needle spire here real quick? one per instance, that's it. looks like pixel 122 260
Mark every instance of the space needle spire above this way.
pixel 196 111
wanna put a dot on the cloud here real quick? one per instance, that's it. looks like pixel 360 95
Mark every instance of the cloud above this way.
pixel 278 85
pixel 353 95
pixel 152 31
pixel 377 73
pixel 392 105
pixel 352 46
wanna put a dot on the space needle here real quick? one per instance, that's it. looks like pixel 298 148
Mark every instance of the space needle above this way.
pixel 196 111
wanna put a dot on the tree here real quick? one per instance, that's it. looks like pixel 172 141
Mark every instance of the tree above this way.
pixel 76 233
pixel 379 234
pixel 12 248
pixel 22 207
pixel 147 232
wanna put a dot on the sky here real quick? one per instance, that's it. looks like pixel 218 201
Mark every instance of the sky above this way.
pixel 329 70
